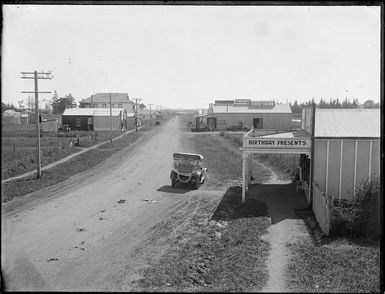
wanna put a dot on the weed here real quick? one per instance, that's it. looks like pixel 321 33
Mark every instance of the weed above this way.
pixel 359 217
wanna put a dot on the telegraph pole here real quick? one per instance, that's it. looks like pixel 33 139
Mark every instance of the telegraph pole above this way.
pixel 37 76
pixel 136 113
pixel 150 113
pixel 110 119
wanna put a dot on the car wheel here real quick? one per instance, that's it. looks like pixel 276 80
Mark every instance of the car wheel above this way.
pixel 197 184
pixel 173 184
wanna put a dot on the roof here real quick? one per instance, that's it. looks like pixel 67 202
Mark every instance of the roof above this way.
pixel 11 112
pixel 191 156
pixel 230 102
pixel 106 111
pixel 92 111
pixel 105 97
pixel 278 108
pixel 347 123
pixel 79 111
pixel 294 134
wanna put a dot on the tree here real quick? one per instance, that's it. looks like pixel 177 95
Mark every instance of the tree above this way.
pixel 60 104
pixel 295 107
pixel 8 106
pixel 370 104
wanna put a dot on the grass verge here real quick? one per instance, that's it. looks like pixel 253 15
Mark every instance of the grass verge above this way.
pixel 19 147
pixel 336 267
pixel 205 254
pixel 18 188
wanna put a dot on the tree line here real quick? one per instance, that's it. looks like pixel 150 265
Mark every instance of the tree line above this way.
pixel 334 103
pixel 58 104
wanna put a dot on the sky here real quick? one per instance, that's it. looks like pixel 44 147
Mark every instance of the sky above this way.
pixel 189 56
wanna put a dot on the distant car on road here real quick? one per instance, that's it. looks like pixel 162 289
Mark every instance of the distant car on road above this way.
pixel 187 168
pixel 157 123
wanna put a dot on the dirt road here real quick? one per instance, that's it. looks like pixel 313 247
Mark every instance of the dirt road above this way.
pixel 82 233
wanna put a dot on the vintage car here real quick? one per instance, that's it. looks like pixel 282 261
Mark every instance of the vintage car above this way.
pixel 187 168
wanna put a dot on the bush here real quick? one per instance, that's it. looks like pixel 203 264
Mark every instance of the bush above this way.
pixel 359 217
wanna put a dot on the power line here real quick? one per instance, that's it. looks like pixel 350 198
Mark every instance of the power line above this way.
pixel 37 76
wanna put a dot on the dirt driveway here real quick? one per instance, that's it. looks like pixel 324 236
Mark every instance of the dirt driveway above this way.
pixel 81 234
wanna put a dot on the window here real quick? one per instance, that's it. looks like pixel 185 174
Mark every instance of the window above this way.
pixel 120 106
pixel 103 105
pixel 78 122
pixel 95 105
pixel 112 105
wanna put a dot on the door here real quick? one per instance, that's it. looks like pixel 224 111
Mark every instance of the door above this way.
pixel 257 123
pixel 212 123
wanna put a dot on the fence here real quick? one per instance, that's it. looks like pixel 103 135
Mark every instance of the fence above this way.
pixel 322 207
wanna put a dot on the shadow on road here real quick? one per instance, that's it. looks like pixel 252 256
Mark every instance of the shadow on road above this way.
pixel 179 189
pixel 279 202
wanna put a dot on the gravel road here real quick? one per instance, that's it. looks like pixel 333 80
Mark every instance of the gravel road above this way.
pixel 81 234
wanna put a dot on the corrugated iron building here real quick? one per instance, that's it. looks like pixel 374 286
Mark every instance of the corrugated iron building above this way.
pixel 79 118
pixel 245 113
pixel 102 119
pixel 346 149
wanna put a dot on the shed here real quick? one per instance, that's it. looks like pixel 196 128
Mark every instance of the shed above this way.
pixel 130 120
pixel 346 153
pixel 346 149
pixel 78 118
pixel 24 119
pixel 103 117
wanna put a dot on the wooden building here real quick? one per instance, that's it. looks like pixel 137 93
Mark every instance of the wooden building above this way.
pixel 102 100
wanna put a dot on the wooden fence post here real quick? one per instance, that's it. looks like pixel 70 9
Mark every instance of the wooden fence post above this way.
pixel 328 213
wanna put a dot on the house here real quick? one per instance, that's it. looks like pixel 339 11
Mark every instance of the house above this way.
pixel 267 116
pixel 102 100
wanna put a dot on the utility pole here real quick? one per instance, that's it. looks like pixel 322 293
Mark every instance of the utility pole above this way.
pixel 37 76
pixel 136 113
pixel 150 113
pixel 110 119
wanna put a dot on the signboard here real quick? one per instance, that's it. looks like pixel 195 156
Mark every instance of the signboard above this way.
pixel 277 143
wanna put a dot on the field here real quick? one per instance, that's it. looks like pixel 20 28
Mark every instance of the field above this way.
pixel 19 147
